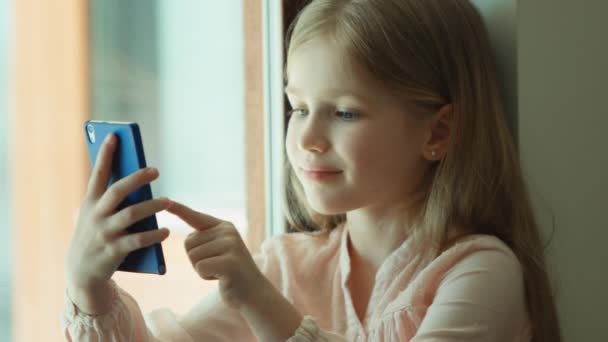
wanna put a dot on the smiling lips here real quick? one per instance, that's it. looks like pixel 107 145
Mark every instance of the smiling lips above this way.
pixel 321 174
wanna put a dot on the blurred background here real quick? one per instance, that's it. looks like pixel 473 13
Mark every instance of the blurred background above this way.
pixel 180 75
pixel 203 80
pixel 5 234
pixel 178 69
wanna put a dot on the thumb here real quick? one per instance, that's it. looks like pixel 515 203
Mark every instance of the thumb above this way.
pixel 194 218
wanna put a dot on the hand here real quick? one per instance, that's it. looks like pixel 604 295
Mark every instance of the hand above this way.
pixel 217 251
pixel 100 241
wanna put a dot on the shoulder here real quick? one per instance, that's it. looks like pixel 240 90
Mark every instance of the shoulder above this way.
pixel 480 266
pixel 479 249
pixel 477 286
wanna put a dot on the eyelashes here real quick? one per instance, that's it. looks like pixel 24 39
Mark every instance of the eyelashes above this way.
pixel 352 115
pixel 343 114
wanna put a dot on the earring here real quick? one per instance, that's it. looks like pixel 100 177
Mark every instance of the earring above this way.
pixel 434 154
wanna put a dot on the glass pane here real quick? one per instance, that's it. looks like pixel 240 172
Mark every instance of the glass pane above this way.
pixel 176 68
pixel 5 246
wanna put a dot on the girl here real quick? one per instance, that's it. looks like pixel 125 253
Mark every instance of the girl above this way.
pixel 402 178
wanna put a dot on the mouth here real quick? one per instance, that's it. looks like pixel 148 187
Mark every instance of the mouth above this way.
pixel 321 175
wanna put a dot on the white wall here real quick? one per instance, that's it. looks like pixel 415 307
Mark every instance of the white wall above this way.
pixel 553 61
pixel 563 117
pixel 501 20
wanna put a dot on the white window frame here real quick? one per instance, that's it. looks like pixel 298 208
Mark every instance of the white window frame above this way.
pixel 274 120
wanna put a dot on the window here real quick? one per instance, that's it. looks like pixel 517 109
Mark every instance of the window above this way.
pixel 5 234
pixel 163 65
pixel 176 68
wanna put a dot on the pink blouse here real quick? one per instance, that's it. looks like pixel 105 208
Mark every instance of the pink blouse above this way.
pixel 473 291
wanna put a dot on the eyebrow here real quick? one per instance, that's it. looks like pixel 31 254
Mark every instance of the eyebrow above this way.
pixel 295 91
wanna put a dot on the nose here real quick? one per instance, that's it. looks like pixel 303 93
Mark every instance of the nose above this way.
pixel 312 134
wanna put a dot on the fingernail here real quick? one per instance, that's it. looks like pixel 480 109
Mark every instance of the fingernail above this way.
pixel 109 139
pixel 151 170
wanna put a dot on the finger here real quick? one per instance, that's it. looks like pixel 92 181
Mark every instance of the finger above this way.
pixel 128 216
pixel 123 187
pixel 100 174
pixel 201 237
pixel 195 219
pixel 130 242
pixel 211 268
pixel 209 249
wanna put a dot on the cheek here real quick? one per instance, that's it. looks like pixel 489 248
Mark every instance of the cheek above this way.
pixel 389 156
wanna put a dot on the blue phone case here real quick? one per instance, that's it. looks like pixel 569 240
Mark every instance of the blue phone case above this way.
pixel 128 158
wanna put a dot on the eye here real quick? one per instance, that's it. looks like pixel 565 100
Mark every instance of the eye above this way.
pixel 297 111
pixel 347 116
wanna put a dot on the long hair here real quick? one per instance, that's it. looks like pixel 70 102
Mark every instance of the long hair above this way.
pixel 435 52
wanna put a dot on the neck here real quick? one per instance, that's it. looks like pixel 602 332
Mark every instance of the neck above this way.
pixel 371 245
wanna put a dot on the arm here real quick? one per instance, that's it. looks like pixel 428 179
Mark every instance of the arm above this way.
pixel 480 299
pixel 209 320
pixel 217 252
pixel 121 321
pixel 94 300
pixel 268 317
pixel 271 316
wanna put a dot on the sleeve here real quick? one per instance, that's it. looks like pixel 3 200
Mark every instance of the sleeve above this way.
pixel 309 331
pixel 209 320
pixel 481 298
pixel 123 322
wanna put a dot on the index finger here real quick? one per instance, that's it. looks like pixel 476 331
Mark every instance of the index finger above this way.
pixel 197 220
pixel 101 170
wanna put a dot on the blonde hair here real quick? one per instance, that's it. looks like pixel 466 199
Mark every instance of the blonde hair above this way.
pixel 435 52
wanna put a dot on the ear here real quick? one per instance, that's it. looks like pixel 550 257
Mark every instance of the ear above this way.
pixel 438 134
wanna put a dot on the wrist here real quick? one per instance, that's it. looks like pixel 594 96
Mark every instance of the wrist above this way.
pixel 258 295
pixel 93 299
pixel 270 315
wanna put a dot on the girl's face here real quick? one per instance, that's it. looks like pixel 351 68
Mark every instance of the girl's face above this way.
pixel 344 120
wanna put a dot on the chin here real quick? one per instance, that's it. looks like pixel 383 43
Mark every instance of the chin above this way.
pixel 326 212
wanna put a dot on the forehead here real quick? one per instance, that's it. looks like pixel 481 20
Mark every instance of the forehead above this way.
pixel 319 67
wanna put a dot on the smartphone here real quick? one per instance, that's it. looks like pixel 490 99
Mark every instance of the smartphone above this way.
pixel 128 158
